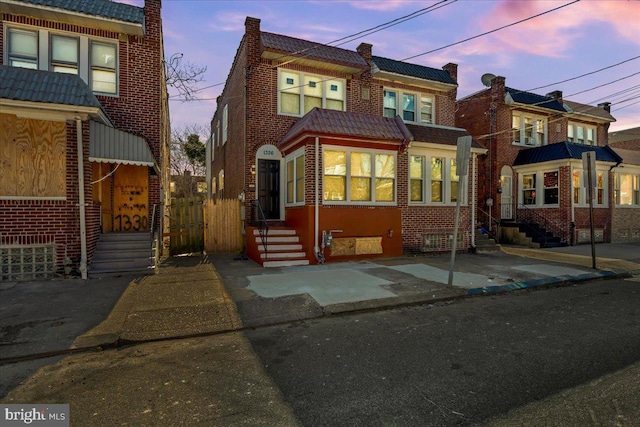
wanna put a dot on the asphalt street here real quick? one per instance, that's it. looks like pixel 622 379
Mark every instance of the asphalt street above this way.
pixel 43 317
pixel 453 364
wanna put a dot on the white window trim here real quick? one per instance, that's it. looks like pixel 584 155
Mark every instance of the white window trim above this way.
pixel 635 189
pixel 586 127
pixel 44 52
pixel 321 79
pixel 418 97
pixel 292 158
pixel 427 155
pixel 584 197
pixel 535 118
pixel 348 201
pixel 539 188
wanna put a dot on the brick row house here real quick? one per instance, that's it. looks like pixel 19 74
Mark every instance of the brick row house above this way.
pixel 339 154
pixel 84 135
pixel 626 215
pixel 531 183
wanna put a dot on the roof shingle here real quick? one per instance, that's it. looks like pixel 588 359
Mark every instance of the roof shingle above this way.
pixel 536 100
pixel 440 135
pixel 590 110
pixel 413 70
pixel 331 122
pixel 312 50
pixel 102 8
pixel 21 84
pixel 563 151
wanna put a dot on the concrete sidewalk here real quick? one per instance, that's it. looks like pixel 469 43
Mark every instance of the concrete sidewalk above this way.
pixel 213 377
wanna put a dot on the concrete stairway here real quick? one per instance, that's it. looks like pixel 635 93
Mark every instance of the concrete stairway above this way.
pixel 280 247
pixel 117 254
pixel 485 244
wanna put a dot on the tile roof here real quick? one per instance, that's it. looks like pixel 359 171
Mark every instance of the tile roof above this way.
pixel 413 70
pixel 439 135
pixel 590 110
pixel 21 84
pixel 533 99
pixel 102 8
pixel 312 50
pixel 561 151
pixel 629 157
pixel 342 123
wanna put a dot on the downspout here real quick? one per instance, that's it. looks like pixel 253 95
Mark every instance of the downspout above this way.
pixel 316 219
pixel 81 202
pixel 473 201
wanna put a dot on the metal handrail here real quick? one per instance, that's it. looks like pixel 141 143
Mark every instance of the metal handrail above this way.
pixel 493 222
pixel 263 224
pixel 533 216
pixel 155 244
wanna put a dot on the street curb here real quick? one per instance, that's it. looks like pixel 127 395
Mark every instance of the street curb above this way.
pixel 550 281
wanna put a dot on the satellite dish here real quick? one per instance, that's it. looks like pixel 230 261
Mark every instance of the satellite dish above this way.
pixel 486 79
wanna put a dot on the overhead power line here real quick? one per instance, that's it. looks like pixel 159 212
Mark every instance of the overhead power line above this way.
pixel 492 31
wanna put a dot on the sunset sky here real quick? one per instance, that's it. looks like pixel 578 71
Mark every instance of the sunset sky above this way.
pixel 580 38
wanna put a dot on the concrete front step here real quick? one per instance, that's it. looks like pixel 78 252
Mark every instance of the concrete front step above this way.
pixel 109 255
pixel 118 254
pixel 282 255
pixel 124 236
pixel 285 263
pixel 277 232
pixel 278 239
pixel 271 248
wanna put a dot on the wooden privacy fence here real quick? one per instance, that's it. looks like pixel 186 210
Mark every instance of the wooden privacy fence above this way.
pixel 186 226
pixel 223 226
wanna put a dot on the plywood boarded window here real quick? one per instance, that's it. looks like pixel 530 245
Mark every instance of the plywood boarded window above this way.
pixel 32 158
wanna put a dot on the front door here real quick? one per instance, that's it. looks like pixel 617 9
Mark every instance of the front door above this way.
pixel 131 198
pixel 269 187
pixel 506 204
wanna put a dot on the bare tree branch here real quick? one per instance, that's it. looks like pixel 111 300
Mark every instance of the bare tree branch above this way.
pixel 183 76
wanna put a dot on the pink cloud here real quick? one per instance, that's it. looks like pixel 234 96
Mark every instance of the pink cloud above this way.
pixel 554 33
pixel 378 4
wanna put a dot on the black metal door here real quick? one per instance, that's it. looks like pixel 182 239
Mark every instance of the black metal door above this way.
pixel 269 188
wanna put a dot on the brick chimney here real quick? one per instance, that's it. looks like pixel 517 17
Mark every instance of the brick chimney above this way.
pixel 452 69
pixel 364 49
pixel 498 90
pixel 606 106
pixel 252 38
pixel 556 94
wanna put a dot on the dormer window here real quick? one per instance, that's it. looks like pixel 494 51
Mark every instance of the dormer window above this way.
pixel 103 67
pixel 299 93
pixel 412 107
pixel 581 133
pixel 95 60
pixel 23 48
pixel 64 54
pixel 528 130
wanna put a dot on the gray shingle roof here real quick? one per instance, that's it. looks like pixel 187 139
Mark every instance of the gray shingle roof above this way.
pixel 629 157
pixel 312 50
pixel 21 84
pixel 439 135
pixel 532 99
pixel 562 151
pixel 590 110
pixel 342 123
pixel 102 8
pixel 413 70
